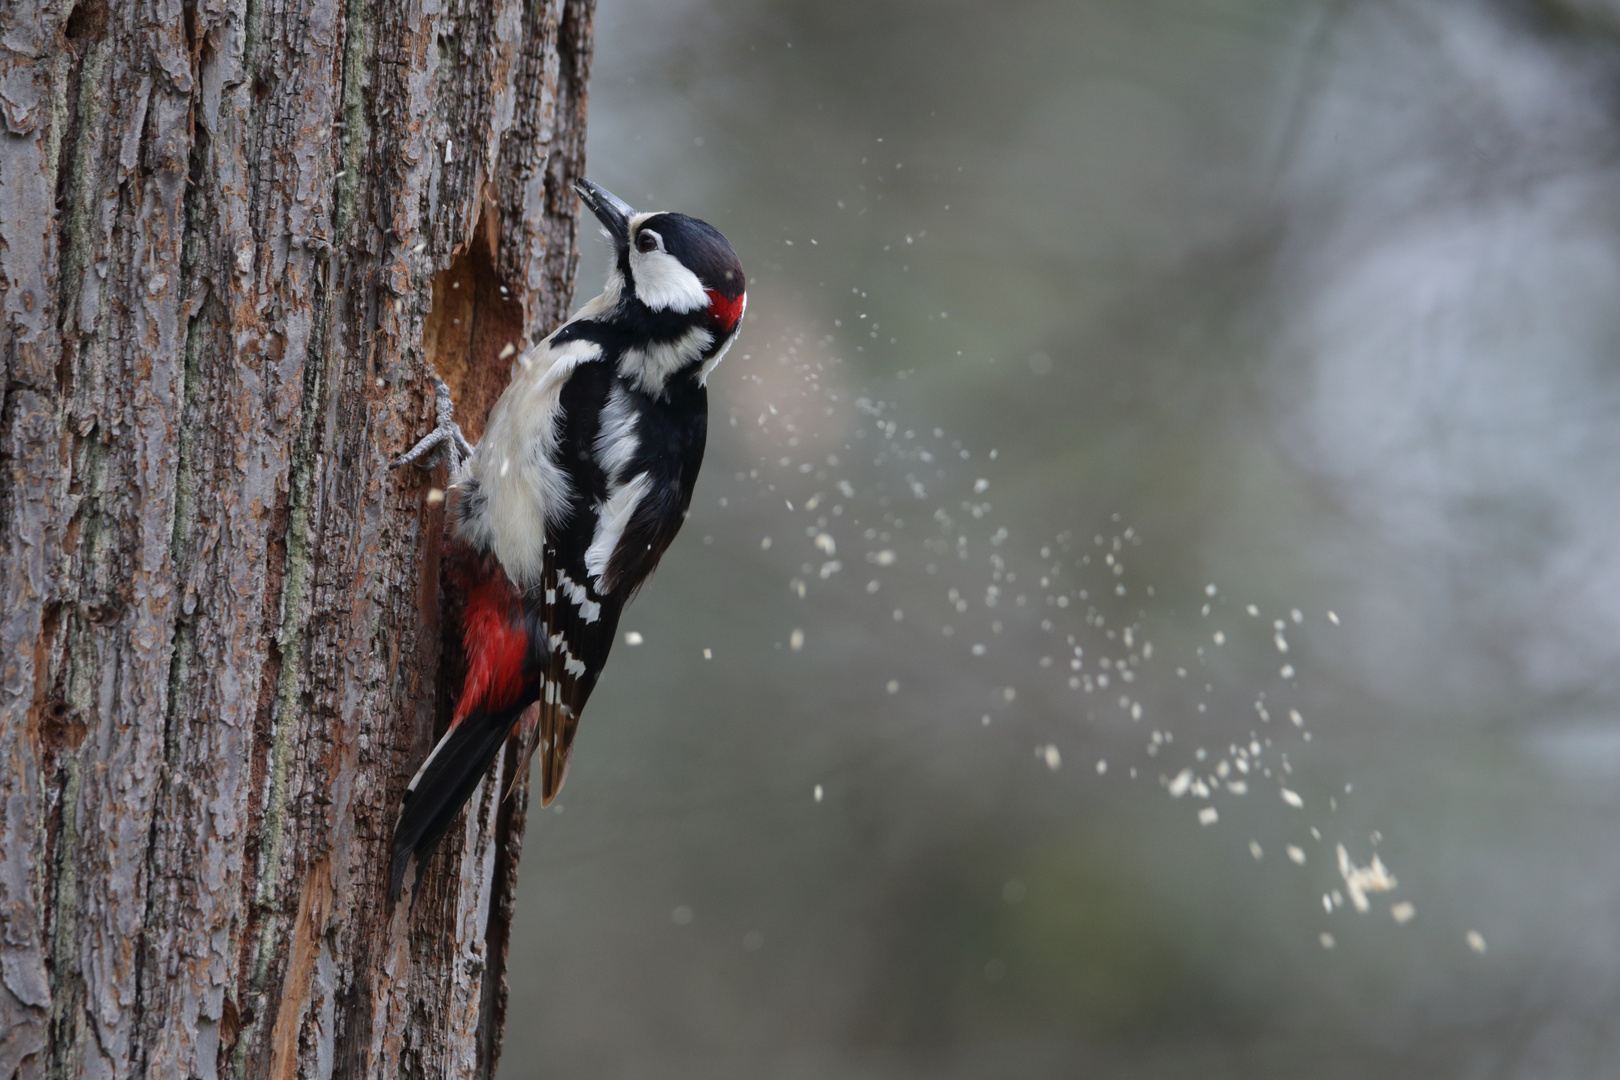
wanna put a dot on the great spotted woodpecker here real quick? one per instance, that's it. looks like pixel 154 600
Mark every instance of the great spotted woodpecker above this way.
pixel 582 478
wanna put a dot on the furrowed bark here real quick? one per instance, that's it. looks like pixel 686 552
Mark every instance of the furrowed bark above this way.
pixel 234 237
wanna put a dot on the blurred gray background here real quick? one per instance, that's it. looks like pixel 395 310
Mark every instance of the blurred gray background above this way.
pixel 1075 329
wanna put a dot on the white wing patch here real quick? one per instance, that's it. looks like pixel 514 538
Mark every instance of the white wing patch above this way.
pixel 649 369
pixel 589 609
pixel 616 439
pixel 611 518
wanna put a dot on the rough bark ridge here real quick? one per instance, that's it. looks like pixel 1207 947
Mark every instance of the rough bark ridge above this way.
pixel 234 234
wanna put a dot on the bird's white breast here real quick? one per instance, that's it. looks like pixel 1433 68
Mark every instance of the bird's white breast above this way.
pixel 515 462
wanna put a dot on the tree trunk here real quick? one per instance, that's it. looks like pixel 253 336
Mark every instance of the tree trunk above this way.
pixel 234 236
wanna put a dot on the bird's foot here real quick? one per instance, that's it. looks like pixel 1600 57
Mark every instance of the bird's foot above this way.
pixel 445 442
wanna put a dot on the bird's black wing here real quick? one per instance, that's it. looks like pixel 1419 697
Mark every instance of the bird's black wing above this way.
pixel 632 462
pixel 672 432
pixel 577 621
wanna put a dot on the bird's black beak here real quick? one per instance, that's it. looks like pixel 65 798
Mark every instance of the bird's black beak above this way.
pixel 613 212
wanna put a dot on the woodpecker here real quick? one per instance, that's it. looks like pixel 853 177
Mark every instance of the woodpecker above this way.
pixel 579 484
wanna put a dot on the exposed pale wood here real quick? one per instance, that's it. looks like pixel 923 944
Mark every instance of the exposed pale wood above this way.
pixel 228 237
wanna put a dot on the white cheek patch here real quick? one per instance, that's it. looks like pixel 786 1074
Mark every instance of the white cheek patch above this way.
pixel 611 519
pixel 663 284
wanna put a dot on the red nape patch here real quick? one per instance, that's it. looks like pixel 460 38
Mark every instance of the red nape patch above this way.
pixel 726 310
pixel 495 643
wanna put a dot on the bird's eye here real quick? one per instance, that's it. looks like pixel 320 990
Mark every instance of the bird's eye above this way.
pixel 646 241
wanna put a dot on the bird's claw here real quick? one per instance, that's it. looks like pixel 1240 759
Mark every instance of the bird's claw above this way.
pixel 445 442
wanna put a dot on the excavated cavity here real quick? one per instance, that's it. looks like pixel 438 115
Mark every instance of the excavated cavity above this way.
pixel 474 330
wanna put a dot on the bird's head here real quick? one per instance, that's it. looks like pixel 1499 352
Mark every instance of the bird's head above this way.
pixel 676 279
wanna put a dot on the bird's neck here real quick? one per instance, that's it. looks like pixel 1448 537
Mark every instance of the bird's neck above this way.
pixel 649 364
pixel 653 346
